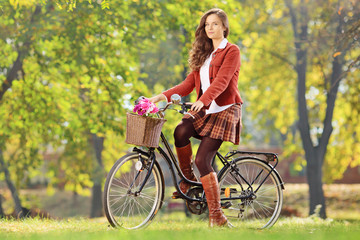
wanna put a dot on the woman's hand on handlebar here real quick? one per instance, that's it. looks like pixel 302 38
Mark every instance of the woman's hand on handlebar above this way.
pixel 197 106
pixel 157 98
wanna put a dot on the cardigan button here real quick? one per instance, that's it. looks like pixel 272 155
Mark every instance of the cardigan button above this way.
pixel 210 65
pixel 211 78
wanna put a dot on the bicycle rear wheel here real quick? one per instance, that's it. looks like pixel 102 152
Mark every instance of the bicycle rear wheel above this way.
pixel 123 206
pixel 262 209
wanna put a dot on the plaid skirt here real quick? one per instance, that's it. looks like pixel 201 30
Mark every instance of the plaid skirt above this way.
pixel 225 125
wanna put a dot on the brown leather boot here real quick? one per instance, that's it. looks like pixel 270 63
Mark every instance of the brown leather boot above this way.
pixel 185 156
pixel 212 193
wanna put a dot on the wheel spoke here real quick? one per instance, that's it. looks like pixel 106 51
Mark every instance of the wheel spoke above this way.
pixel 266 209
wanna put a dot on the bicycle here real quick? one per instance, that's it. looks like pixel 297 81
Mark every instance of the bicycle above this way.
pixel 250 187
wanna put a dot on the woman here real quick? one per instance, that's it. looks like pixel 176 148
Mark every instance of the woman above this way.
pixel 216 115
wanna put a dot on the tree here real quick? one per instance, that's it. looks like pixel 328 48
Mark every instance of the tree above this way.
pixel 315 151
pixel 80 67
pixel 314 73
pixel 57 75
pixel 9 76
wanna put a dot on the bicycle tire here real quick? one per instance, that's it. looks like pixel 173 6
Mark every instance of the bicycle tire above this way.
pixel 264 210
pixel 124 209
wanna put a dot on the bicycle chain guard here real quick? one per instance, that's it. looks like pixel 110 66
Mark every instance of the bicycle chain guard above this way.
pixel 195 207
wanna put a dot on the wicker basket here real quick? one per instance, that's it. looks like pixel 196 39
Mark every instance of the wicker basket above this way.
pixel 143 131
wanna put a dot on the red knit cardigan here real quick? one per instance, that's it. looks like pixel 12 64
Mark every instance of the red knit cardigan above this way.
pixel 224 75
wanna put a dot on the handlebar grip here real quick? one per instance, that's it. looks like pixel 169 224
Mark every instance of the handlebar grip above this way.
pixel 187 105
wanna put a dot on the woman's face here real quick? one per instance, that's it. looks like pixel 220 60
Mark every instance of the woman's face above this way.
pixel 214 27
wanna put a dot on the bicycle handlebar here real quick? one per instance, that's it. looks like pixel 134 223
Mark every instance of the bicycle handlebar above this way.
pixel 184 106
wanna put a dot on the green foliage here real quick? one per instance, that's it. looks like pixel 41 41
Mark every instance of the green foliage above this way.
pixel 70 5
pixel 77 73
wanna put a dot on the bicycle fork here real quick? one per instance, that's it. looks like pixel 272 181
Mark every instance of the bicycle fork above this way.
pixel 139 166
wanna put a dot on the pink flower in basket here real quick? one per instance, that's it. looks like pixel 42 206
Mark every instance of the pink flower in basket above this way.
pixel 145 107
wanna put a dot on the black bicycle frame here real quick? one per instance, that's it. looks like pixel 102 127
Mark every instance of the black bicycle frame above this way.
pixel 172 162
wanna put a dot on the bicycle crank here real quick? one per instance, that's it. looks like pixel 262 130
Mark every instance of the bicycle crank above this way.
pixel 195 207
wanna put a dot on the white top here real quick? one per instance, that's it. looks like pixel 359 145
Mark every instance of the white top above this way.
pixel 205 80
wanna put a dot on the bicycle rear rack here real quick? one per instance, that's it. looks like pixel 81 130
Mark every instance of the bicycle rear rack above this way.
pixel 265 156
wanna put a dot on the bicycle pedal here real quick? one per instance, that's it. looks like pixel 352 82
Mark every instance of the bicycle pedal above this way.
pixel 226 205
pixel 176 197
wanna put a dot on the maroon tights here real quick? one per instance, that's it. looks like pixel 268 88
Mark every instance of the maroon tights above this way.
pixel 207 149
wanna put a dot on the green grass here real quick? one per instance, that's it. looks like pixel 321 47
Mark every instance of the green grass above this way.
pixel 177 227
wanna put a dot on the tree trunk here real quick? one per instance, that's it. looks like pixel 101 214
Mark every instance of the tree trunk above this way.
pixel 314 178
pixel 96 201
pixel 2 213
pixel 11 186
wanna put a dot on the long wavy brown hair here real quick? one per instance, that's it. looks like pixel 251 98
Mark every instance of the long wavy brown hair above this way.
pixel 202 46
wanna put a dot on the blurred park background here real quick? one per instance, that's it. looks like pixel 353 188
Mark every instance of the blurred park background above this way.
pixel 71 69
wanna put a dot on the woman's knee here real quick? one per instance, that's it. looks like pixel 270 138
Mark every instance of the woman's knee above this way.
pixel 182 134
pixel 179 132
pixel 200 163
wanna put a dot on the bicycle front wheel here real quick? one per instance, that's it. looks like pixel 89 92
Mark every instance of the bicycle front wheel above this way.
pixel 250 177
pixel 123 205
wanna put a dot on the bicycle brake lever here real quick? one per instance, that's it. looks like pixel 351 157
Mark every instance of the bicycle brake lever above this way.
pixel 138 100
pixel 190 115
